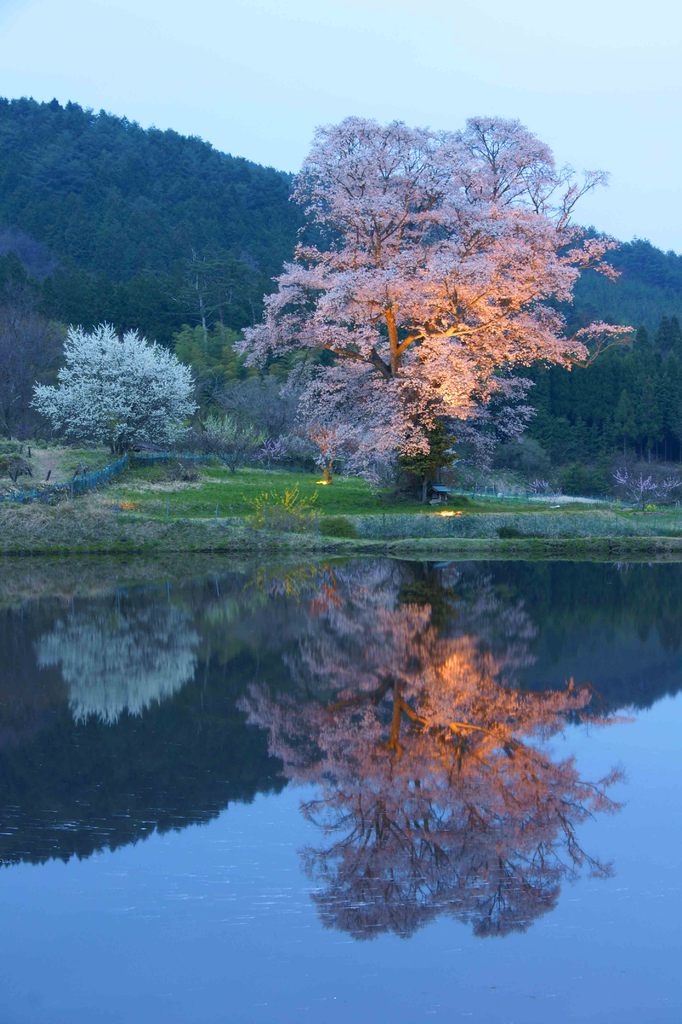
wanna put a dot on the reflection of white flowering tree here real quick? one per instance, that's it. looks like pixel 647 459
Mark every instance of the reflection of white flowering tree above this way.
pixel 116 660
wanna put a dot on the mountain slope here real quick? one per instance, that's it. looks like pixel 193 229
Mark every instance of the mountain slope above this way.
pixel 649 288
pixel 118 199
pixel 136 216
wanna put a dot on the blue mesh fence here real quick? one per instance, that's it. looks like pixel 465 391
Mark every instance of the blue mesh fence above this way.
pixel 89 481
pixel 170 457
pixel 79 484
pixel 491 493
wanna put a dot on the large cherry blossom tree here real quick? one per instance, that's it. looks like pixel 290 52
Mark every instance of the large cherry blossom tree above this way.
pixel 435 266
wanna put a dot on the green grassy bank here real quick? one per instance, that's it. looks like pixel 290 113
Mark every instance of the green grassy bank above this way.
pixel 79 527
pixel 148 511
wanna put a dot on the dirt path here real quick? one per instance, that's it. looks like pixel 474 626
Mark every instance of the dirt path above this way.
pixel 58 462
pixel 44 461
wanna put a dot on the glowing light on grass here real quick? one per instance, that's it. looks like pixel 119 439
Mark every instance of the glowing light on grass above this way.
pixel 448 512
pixel 323 483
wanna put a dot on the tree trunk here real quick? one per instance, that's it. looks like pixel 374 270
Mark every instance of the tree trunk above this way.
pixel 393 341
pixel 425 489
pixel 327 474
pixel 202 314
pixel 394 740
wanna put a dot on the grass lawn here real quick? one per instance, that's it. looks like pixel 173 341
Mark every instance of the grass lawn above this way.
pixel 232 494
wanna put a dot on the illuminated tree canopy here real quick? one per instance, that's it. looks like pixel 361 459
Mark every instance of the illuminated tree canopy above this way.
pixel 437 262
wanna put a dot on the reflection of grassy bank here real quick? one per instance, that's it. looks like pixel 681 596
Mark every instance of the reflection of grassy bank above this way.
pixel 566 548
pixel 65 577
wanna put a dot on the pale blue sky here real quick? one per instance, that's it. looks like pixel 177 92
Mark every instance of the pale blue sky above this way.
pixel 599 80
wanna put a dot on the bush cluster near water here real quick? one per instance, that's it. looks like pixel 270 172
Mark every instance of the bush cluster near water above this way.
pixel 337 526
pixel 504 524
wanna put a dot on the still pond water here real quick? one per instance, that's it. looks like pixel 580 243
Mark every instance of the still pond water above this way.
pixel 342 793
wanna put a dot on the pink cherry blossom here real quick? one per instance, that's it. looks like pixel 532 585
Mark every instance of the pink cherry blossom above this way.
pixel 431 269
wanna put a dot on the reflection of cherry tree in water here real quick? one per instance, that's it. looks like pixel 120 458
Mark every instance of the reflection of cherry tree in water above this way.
pixel 120 658
pixel 437 792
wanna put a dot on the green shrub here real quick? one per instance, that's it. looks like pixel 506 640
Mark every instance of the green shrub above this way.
pixel 510 533
pixel 284 510
pixel 337 526
pixel 525 455
pixel 10 447
pixel 588 480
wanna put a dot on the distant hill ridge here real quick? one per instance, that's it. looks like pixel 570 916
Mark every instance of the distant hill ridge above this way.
pixel 153 229
pixel 648 290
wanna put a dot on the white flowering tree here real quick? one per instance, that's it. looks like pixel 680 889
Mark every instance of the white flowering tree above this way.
pixel 118 391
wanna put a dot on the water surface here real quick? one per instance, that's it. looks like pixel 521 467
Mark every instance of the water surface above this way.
pixel 342 792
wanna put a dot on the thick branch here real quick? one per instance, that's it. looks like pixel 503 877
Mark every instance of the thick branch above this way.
pixel 380 364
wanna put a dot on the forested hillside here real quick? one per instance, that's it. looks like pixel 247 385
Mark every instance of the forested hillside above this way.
pixel 144 228
pixel 648 289
pixel 103 220
pixel 155 229
pixel 628 402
